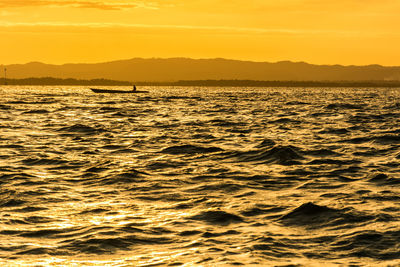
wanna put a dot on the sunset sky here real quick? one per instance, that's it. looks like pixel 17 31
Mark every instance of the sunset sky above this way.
pixel 345 32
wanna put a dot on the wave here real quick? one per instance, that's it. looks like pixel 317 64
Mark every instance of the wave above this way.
pixel 115 147
pixel 338 131
pixel 45 233
pixel 278 154
pixel 44 161
pixel 226 123
pixel 5 107
pixel 285 121
pixel 369 244
pixel 37 111
pixel 379 139
pixel 94 211
pixel 12 146
pixel 12 202
pixel 217 217
pixel 261 210
pixel 124 177
pixel 310 215
pixel 109 109
pixel 345 106
pixel 190 149
pixel 366 118
pixel 384 179
pixel 322 152
pixel 333 162
pixel 109 245
pixel 80 128
pixel 30 209
pixel 227 187
pixel 38 251
pixel 266 143
pixel 183 98
pixel 159 165
pixel 387 139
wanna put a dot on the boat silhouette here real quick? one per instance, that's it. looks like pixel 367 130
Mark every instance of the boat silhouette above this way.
pixel 108 91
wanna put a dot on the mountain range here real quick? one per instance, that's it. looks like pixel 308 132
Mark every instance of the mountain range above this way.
pixel 179 69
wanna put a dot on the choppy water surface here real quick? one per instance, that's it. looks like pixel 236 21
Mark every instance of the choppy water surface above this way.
pixel 200 176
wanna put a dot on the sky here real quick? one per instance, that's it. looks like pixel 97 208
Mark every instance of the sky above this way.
pixel 347 32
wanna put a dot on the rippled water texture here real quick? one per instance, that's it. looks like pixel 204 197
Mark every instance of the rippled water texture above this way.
pixel 200 176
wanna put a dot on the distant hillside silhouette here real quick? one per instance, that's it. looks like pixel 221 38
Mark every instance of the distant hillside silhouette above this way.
pixel 208 83
pixel 176 69
pixel 251 83
pixel 69 81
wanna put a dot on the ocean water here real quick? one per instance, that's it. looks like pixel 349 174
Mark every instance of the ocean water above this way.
pixel 200 177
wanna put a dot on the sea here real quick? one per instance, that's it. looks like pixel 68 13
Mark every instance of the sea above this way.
pixel 199 176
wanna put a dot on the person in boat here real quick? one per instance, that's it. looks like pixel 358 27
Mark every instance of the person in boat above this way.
pixel 134 88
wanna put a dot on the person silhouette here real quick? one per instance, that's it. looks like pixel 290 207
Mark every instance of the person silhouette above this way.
pixel 134 88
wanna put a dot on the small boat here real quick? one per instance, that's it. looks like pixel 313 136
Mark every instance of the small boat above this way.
pixel 108 91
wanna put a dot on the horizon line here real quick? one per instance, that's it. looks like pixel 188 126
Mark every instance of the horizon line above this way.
pixel 205 58
pixel 203 82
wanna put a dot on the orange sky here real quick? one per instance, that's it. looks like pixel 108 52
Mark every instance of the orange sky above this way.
pixel 322 32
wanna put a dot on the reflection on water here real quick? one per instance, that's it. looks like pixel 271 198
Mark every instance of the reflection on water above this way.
pixel 199 176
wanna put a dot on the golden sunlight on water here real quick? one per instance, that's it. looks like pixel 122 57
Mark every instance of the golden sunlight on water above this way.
pixel 199 176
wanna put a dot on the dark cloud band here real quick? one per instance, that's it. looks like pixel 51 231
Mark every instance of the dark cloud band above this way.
pixel 77 4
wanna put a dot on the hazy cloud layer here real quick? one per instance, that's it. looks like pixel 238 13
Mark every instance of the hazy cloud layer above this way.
pixel 149 26
pixel 152 28
pixel 284 6
pixel 79 4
